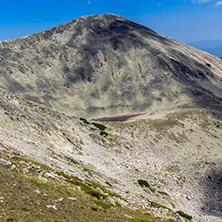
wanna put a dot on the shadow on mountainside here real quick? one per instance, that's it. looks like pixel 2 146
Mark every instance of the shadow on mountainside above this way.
pixel 118 37
pixel 213 193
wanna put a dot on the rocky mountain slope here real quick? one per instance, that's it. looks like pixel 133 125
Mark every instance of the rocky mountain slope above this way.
pixel 166 160
pixel 89 66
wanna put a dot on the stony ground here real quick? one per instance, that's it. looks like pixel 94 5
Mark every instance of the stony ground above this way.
pixel 30 191
pixel 168 159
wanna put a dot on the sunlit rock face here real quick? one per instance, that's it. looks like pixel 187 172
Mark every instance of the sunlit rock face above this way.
pixel 104 65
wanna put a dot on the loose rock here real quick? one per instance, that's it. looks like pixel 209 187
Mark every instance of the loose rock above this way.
pixel 5 163
pixel 110 201
pixel 72 198
pixel 52 206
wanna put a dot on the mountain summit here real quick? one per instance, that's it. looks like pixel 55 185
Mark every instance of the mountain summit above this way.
pixel 106 64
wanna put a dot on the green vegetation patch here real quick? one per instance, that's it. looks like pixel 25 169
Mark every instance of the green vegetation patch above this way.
pixel 103 204
pixel 182 214
pixel 139 220
pixel 103 133
pixel 26 197
pixel 16 159
pixel 97 185
pixel 163 193
pixel 71 160
pixel 154 204
pixel 99 126
pixel 84 187
pixel 84 120
pixel 143 183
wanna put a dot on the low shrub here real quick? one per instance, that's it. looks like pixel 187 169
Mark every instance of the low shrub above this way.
pixel 102 204
pixel 143 183
pixel 85 120
pixel 99 126
pixel 104 133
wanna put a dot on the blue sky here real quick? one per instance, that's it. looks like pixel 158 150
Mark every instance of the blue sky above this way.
pixel 184 20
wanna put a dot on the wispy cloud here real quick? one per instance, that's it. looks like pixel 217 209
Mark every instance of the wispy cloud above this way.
pixel 218 4
pixel 89 2
pixel 201 1
pixel 204 1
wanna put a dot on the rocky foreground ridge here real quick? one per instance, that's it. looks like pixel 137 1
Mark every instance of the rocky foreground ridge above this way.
pixel 55 84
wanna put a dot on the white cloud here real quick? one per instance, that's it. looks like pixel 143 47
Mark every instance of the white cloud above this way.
pixel 218 3
pixel 89 2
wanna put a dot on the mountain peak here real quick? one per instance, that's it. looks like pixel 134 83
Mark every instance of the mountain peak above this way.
pixel 109 55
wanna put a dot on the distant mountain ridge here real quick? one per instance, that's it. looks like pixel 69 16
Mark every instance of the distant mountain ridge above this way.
pixel 211 46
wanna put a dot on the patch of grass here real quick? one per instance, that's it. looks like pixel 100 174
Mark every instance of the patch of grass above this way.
pixel 152 189
pixel 39 184
pixel 64 175
pixel 118 204
pixel 143 183
pixel 84 187
pixel 94 208
pixel 163 193
pixel 139 220
pixel 182 214
pixel 103 204
pixel 89 187
pixel 71 160
pixel 95 194
pixel 21 202
pixel 112 194
pixel 99 126
pixel 18 158
pixel 154 204
pixel 9 219
pixel 81 142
